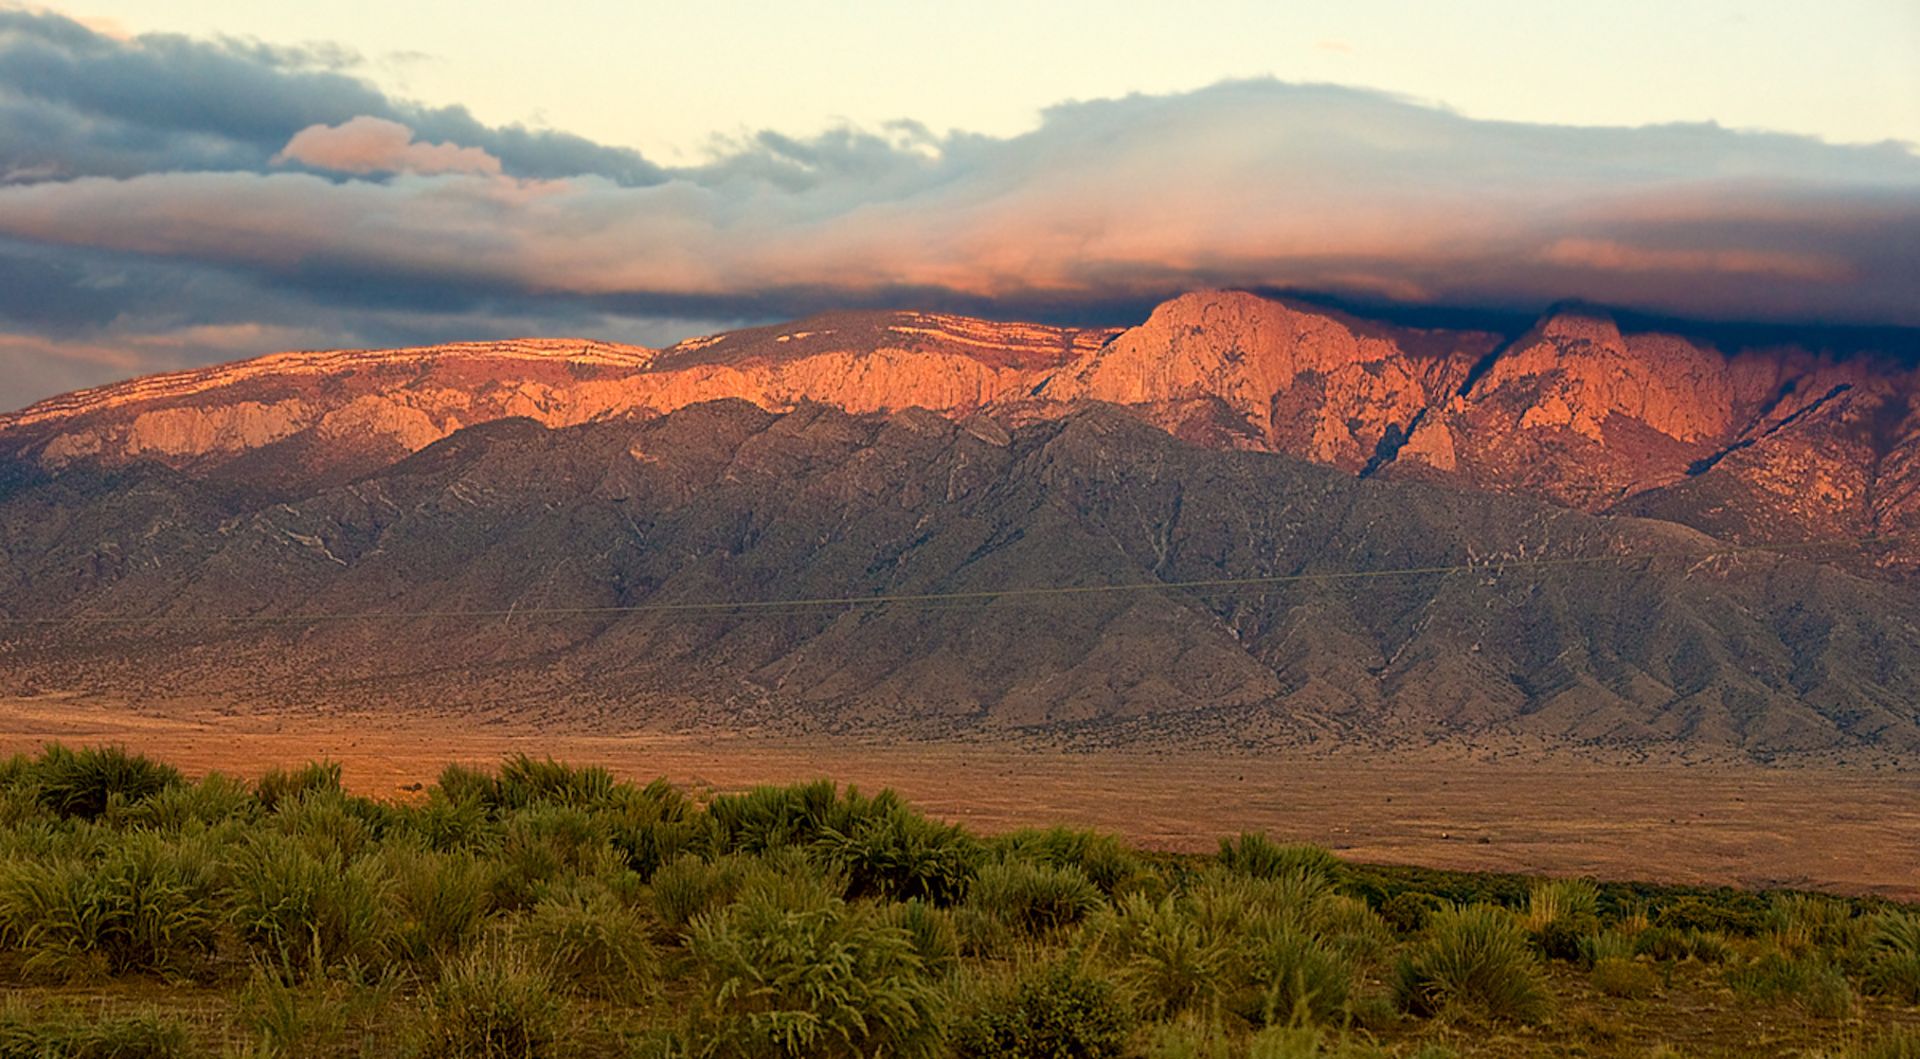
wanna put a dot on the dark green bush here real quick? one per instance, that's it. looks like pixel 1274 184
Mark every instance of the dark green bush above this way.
pixel 1056 1011
pixel 82 783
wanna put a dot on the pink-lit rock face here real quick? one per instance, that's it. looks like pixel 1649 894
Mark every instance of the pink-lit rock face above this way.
pixel 1769 444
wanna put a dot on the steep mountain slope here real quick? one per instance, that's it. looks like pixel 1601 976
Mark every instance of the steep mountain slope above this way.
pixel 500 568
pixel 1770 444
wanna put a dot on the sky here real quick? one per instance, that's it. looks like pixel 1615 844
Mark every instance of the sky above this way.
pixel 183 183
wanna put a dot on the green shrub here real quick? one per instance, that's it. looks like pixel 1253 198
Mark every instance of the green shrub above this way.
pixel 1810 981
pixel 1164 959
pixel 1262 858
pixel 279 786
pixel 1722 912
pixel 1298 980
pixel 306 912
pixel 144 906
pixel 935 938
pixel 1475 958
pixel 1103 858
pixel 526 782
pixel 1561 915
pixel 440 901
pixel 546 845
pixel 768 818
pixel 1622 976
pixel 1033 898
pixel 1610 944
pixel 1893 956
pixel 82 783
pixel 328 823
pixel 689 886
pixel 449 826
pixel 816 977
pixel 493 1003
pixel 903 855
pixel 216 799
pixel 1056 1011
pixel 1406 912
pixel 462 785
pixel 594 945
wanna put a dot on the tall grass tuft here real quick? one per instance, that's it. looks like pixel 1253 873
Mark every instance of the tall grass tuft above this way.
pixel 83 783
pixel 1166 960
pixel 1809 980
pixel 1474 958
pixel 28 1033
pixel 496 1002
pixel 1893 956
pixel 146 906
pixel 902 855
pixel 1034 899
pixel 308 913
pixel 1257 855
pixel 594 945
pixel 808 977
pixel 278 786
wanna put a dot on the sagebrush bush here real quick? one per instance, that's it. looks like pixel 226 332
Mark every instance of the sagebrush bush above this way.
pixel 1475 958
pixel 594 945
pixel 1031 898
pixel 83 783
pixel 1056 1010
pixel 494 1003
pixel 813 978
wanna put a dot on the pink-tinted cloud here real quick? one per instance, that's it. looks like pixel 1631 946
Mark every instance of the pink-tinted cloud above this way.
pixel 376 145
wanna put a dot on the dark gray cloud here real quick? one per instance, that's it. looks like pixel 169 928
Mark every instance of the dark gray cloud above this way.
pixel 74 102
pixel 193 199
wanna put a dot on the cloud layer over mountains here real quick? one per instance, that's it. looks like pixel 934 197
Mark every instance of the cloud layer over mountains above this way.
pixel 166 201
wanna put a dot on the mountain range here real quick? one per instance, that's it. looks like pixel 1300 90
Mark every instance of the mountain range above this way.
pixel 1280 522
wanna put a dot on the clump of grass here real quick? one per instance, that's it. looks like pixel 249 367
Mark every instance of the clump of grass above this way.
pixel 1262 858
pixel 1893 956
pixel 1899 1042
pixel 1474 958
pixel 493 1002
pixel 935 938
pixel 41 1034
pixel 1561 915
pixel 1810 981
pixel 1623 976
pixel 83 783
pixel 1299 980
pixel 1053 1010
pixel 814 976
pixel 1033 899
pixel 595 945
pixel 1164 959
pixel 440 901
pixel 214 800
pixel 901 855
pixel 146 906
pixel 307 912
pixel 526 781
pixel 690 886
pixel 277 786
pixel 1102 858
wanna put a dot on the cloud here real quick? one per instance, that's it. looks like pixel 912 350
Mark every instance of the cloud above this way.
pixel 78 102
pixel 396 220
pixel 375 145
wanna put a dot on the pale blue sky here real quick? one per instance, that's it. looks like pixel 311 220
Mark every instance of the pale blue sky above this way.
pixel 666 78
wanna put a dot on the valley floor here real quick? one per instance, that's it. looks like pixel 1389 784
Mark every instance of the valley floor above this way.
pixel 1821 827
